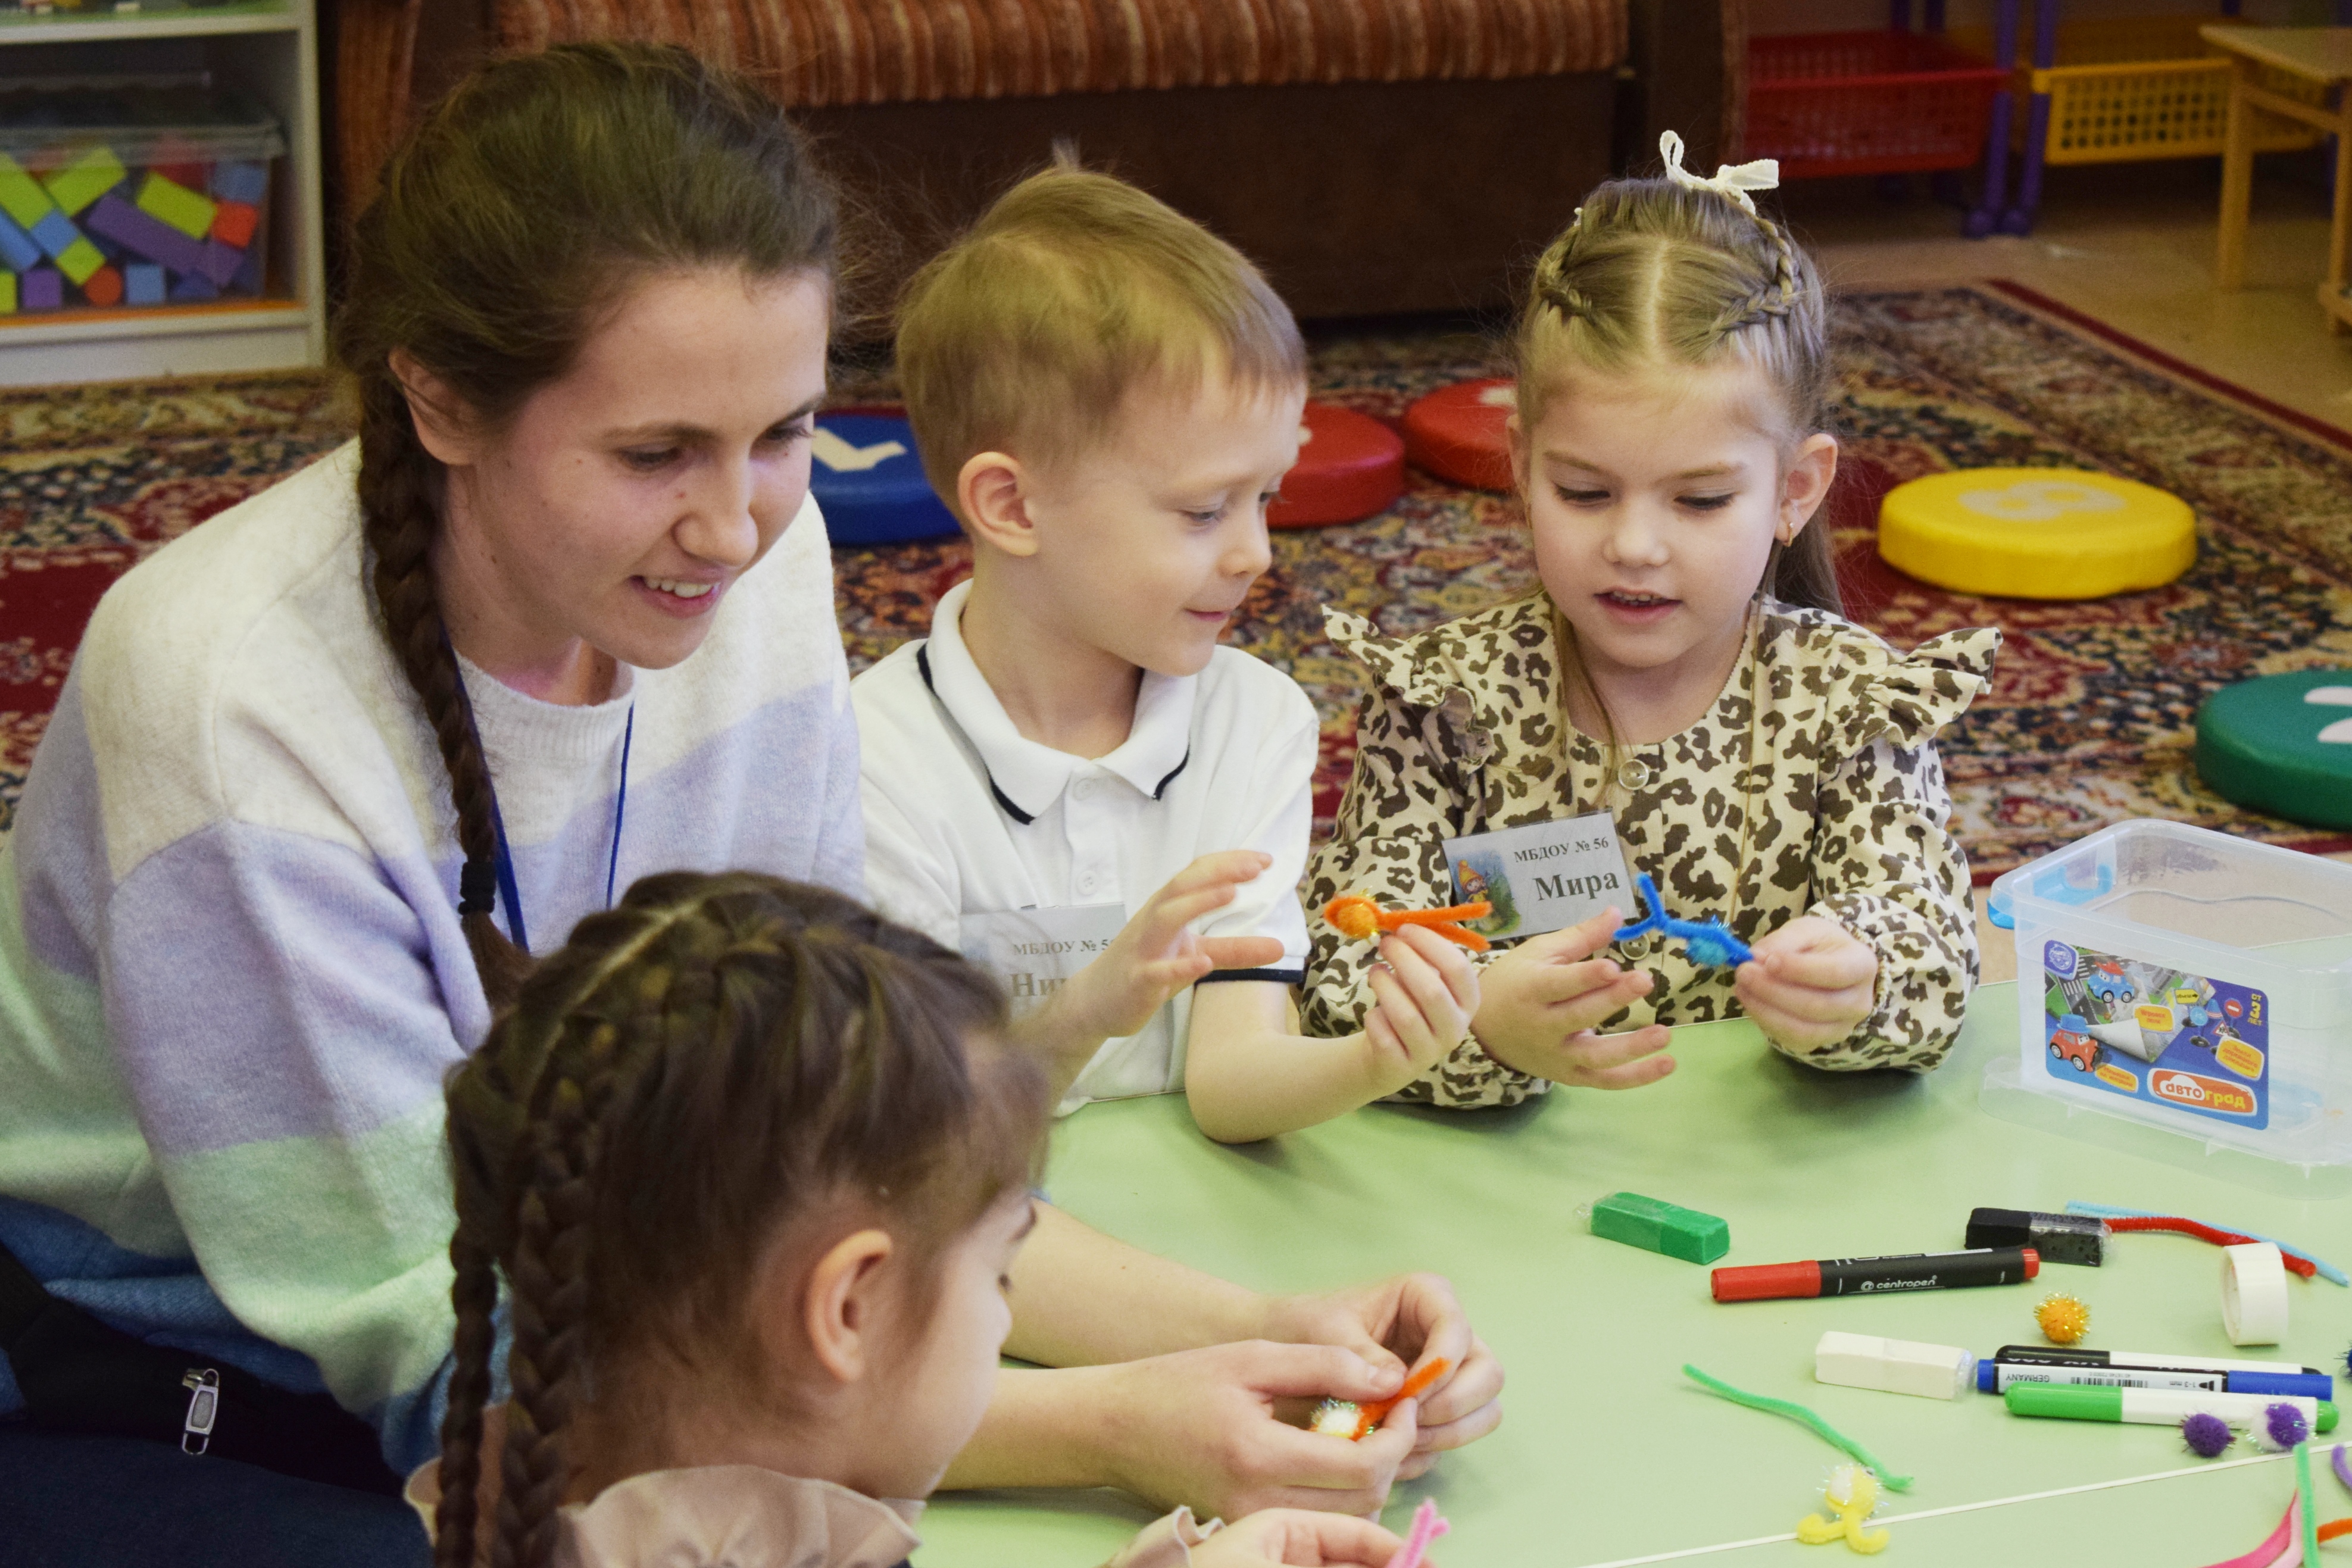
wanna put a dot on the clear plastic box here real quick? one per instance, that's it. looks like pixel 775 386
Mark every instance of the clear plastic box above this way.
pixel 2191 981
pixel 130 193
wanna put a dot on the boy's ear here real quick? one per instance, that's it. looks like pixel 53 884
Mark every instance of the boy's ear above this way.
pixel 1805 484
pixel 991 494
pixel 439 413
pixel 842 1310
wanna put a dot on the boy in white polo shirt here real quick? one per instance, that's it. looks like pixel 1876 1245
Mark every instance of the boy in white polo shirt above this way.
pixel 1069 776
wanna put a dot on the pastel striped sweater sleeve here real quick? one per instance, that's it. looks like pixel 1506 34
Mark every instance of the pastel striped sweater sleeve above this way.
pixel 231 979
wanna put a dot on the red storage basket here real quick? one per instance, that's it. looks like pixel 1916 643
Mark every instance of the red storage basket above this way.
pixel 1866 104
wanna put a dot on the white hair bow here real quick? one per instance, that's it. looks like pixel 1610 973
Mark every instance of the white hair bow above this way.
pixel 1731 181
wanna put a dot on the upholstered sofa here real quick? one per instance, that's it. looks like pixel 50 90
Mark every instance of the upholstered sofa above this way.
pixel 1374 155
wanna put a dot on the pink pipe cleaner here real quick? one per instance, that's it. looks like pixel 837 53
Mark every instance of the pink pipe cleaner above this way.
pixel 1426 1528
pixel 2283 1549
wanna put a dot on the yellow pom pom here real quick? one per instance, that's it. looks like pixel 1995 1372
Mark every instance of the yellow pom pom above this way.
pixel 2063 1319
pixel 1354 915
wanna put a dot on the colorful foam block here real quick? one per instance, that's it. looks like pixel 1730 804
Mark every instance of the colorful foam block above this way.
pixel 21 196
pixel 85 179
pixel 178 160
pixel 247 183
pixel 195 286
pixel 18 251
pixel 248 278
pixel 55 232
pixel 143 236
pixel 43 289
pixel 103 286
pixel 220 262
pixel 80 260
pixel 183 208
pixel 143 284
pixel 234 223
pixel 7 293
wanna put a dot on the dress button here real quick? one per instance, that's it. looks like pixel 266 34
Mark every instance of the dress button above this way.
pixel 1634 773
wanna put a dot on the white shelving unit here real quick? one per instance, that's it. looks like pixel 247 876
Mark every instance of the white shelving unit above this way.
pixel 269 48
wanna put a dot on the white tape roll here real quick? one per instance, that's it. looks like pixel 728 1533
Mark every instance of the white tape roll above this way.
pixel 2254 1293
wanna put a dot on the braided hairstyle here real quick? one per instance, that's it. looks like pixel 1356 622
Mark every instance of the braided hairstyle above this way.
pixel 1653 273
pixel 529 200
pixel 697 1065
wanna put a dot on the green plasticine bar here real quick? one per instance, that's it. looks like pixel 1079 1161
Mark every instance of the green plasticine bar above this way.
pixel 85 179
pixel 174 204
pixel 1658 1226
pixel 21 196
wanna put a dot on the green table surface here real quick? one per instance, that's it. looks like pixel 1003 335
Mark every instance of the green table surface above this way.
pixel 1606 1452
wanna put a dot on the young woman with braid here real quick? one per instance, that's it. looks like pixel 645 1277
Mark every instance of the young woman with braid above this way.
pixel 1683 665
pixel 330 766
pixel 755 1169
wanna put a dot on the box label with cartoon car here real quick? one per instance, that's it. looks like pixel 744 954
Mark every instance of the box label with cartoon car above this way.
pixel 2157 1033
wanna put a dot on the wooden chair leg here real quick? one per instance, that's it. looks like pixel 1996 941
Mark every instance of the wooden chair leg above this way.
pixel 2237 181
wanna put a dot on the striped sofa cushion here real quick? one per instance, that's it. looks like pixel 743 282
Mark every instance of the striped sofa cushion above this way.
pixel 823 53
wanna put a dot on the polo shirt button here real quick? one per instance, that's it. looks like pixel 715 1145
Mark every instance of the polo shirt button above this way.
pixel 1634 773
pixel 1086 883
pixel 1084 789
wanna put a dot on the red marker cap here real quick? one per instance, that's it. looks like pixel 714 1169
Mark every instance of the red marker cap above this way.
pixel 1767 1282
pixel 2033 1264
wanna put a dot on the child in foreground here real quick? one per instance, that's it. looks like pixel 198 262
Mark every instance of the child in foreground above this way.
pixel 1684 666
pixel 755 1171
pixel 1107 396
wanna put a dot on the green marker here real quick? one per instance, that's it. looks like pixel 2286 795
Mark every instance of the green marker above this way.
pixel 1657 1226
pixel 2157 1407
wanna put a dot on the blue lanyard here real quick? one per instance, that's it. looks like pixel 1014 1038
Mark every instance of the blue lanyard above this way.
pixel 509 893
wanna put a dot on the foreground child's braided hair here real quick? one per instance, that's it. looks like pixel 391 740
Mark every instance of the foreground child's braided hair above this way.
pixel 708 1058
pixel 536 193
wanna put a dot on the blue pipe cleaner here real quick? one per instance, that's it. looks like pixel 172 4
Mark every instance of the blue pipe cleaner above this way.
pixel 1708 941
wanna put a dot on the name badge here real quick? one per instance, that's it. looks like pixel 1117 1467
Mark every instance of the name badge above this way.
pixel 1541 877
pixel 1034 953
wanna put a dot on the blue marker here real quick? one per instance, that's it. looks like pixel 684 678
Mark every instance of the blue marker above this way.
pixel 1709 943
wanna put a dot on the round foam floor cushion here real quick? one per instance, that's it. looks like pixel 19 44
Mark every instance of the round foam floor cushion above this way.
pixel 1456 433
pixel 2282 743
pixel 1350 466
pixel 864 472
pixel 2036 533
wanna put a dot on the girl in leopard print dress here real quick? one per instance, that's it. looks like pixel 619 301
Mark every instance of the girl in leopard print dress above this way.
pixel 1684 667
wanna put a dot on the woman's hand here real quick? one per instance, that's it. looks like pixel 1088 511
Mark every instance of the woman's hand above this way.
pixel 1540 1002
pixel 1204 1427
pixel 1289 1536
pixel 1396 1325
pixel 1810 984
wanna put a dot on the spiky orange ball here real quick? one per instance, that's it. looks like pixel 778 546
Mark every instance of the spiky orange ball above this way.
pixel 2064 1319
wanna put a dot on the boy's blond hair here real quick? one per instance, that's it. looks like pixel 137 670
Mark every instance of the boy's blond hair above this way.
pixel 1027 334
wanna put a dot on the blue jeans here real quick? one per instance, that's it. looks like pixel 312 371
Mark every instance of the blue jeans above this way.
pixel 125 1502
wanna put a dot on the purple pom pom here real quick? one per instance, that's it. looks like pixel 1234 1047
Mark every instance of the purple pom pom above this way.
pixel 2286 1425
pixel 2207 1435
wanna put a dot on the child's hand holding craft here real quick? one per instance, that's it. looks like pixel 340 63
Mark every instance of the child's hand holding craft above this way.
pixel 1425 991
pixel 1540 1002
pixel 1810 984
pixel 1294 1536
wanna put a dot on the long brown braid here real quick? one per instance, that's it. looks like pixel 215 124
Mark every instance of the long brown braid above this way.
pixel 711 1058
pixel 538 192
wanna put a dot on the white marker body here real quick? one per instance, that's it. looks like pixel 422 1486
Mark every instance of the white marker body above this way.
pixel 2170 1406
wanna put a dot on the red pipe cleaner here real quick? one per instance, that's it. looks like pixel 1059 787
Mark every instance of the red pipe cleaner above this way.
pixel 2301 1265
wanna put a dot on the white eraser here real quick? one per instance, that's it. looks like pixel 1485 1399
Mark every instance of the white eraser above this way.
pixel 1893 1366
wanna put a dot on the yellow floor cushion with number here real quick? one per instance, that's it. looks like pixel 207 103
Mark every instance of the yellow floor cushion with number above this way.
pixel 2036 533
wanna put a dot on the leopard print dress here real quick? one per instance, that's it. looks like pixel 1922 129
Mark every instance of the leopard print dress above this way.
pixel 1460 732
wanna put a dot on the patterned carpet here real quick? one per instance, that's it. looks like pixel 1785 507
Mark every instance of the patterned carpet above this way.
pixel 2089 720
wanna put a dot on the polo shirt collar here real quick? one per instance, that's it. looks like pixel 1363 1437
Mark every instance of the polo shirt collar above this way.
pixel 1026 777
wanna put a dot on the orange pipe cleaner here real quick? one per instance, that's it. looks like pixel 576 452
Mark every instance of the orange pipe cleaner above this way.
pixel 1355 915
pixel 1372 1415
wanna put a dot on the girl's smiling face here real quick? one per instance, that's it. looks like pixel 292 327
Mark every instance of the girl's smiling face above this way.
pixel 1655 501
